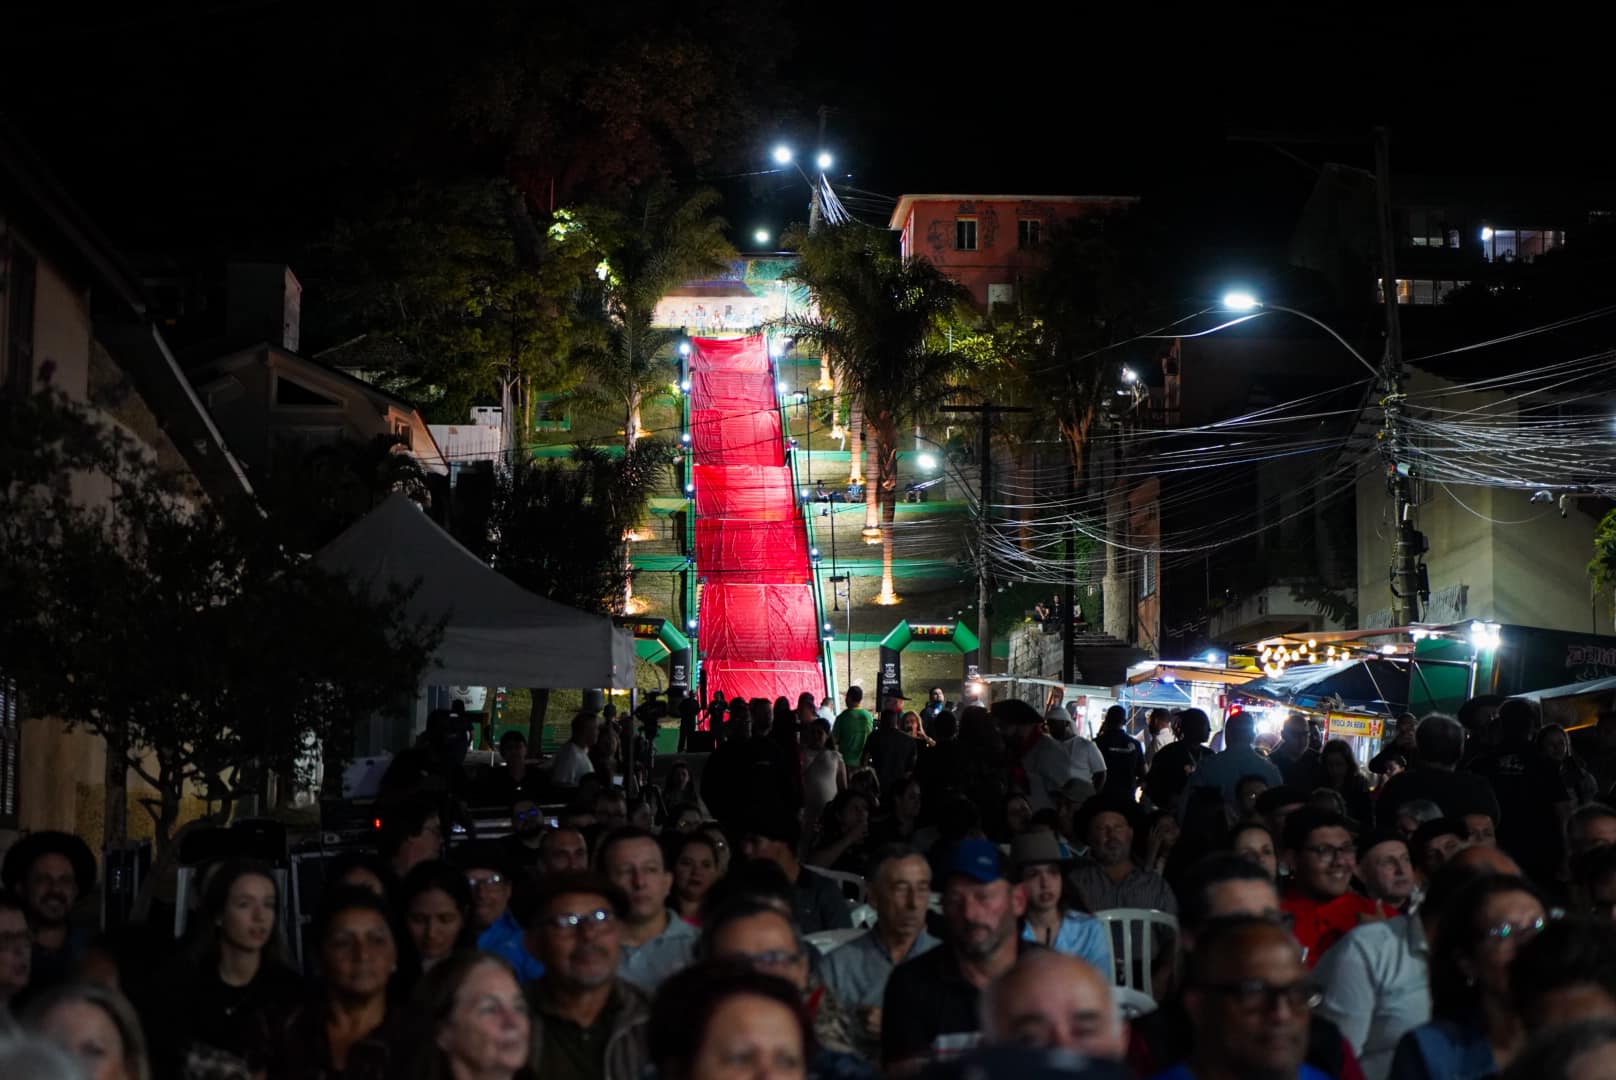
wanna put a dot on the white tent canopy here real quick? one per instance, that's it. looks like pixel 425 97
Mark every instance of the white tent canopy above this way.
pixel 497 633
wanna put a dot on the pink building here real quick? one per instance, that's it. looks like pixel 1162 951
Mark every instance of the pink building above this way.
pixel 987 243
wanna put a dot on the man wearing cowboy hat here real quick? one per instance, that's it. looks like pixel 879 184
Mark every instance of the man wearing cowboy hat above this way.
pixel 1039 861
pixel 50 870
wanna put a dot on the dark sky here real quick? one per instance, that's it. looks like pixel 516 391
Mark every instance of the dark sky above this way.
pixel 221 125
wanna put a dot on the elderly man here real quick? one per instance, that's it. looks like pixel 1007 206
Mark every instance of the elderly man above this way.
pixel 857 972
pixel 588 1024
pixel 492 882
pixel 656 942
pixel 1385 868
pixel 50 871
pixel 1054 1002
pixel 931 1005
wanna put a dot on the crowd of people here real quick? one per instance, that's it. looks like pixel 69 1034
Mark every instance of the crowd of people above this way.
pixel 840 894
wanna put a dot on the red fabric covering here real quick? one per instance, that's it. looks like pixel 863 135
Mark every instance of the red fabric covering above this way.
pixel 753 551
pixel 766 679
pixel 754 492
pixel 774 622
pixel 736 437
pixel 759 627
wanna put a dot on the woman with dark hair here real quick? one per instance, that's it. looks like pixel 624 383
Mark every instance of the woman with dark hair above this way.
pixel 1339 772
pixel 208 1000
pixel 678 787
pixel 1474 1030
pixel 844 834
pixel 1252 840
pixel 695 870
pixel 467 1019
pixel 95 1025
pixel 347 1030
pixel 435 901
pixel 716 1022
pixel 903 814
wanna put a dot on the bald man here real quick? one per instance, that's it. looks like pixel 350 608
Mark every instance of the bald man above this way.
pixel 1051 1001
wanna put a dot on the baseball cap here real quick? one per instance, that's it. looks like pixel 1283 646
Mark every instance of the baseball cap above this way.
pixel 976 859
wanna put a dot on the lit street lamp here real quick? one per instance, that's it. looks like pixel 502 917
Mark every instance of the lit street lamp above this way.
pixel 1243 303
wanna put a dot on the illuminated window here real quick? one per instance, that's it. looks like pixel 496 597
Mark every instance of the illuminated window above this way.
pixel 1028 234
pixel 1518 245
pixel 1426 228
pixel 965 234
pixel 1420 291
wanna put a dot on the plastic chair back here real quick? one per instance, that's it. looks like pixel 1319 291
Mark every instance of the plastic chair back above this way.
pixel 1136 936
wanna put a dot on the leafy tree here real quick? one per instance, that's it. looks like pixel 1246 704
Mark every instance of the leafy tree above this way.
pixel 883 321
pixel 458 293
pixel 664 239
pixel 207 655
pixel 556 528
pixel 313 496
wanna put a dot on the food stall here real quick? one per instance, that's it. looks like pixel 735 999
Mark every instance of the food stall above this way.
pixel 1185 684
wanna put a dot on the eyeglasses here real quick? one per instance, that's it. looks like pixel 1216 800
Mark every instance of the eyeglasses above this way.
pixel 486 882
pixel 772 958
pixel 1523 931
pixel 572 920
pixel 527 815
pixel 1329 853
pixel 1251 995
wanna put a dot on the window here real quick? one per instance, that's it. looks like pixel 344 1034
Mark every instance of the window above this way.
pixel 965 234
pixel 17 349
pixel 1420 291
pixel 1147 574
pixel 1518 245
pixel 10 753
pixel 1426 228
pixel 1027 234
pixel 1001 294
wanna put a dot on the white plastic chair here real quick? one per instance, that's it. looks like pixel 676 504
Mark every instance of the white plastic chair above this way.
pixel 844 879
pixel 863 916
pixel 1134 941
pixel 1131 1003
pixel 826 940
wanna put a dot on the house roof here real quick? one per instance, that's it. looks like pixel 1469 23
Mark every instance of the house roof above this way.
pixel 35 201
pixel 906 202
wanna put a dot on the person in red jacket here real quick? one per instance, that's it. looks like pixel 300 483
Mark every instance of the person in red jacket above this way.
pixel 1319 901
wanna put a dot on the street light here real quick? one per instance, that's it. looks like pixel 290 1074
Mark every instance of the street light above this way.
pixel 684 348
pixel 782 154
pixel 824 160
pixel 1245 303
pixel 761 236
pixel 927 462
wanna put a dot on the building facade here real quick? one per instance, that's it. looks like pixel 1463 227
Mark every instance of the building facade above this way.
pixel 988 243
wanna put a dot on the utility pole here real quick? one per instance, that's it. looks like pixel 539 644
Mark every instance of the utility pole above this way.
pixel 1408 582
pixel 984 580
pixel 813 204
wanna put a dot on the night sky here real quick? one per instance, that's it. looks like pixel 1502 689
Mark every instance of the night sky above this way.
pixel 240 129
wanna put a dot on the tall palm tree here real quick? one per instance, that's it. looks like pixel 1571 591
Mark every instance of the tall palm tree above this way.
pixel 664 239
pixel 881 319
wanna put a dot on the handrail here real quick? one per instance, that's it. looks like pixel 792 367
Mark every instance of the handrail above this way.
pixel 827 664
pixel 692 591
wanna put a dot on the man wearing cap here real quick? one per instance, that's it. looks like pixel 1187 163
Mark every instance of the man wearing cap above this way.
pixel 857 972
pixel 50 871
pixel 1057 757
pixel 1040 860
pixel 1109 878
pixel 818 903
pixel 930 1007
pixel 1385 869
pixel 492 882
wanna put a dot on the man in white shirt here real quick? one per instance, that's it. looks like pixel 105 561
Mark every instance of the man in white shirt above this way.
pixel 572 760
pixel 1058 757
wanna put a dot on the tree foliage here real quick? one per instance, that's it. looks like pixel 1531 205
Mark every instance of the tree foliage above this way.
pixel 311 497
pixel 206 654
pixel 458 293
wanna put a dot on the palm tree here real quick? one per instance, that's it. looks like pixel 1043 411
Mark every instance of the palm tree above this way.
pixel 881 319
pixel 664 240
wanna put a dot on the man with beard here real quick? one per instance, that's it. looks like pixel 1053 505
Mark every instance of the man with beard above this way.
pixel 50 871
pixel 588 1024
pixel 930 1010
pixel 1249 1001
pixel 1110 878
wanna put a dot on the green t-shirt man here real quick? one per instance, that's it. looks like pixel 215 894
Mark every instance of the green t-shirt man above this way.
pixel 852 728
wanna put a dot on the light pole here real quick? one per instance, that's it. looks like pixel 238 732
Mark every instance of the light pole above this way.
pixel 1408 577
pixel 785 155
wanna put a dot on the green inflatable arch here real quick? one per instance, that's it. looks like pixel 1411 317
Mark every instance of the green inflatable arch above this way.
pixel 889 679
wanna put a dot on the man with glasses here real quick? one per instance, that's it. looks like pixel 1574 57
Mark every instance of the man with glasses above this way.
pixel 588 1024
pixel 756 934
pixel 492 882
pixel 1319 901
pixel 1249 1001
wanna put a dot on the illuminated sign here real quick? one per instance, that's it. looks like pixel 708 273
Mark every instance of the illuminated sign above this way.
pixel 1364 727
pixel 932 631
